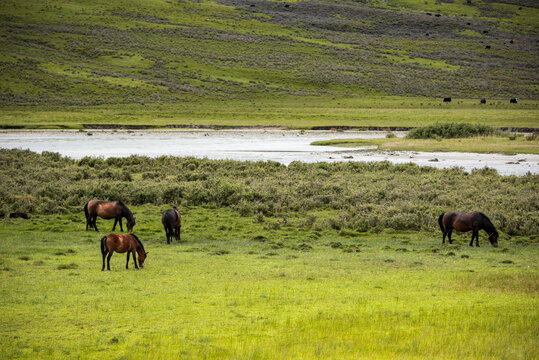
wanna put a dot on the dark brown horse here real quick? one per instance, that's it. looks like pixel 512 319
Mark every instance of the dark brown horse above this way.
pixel 462 222
pixel 108 210
pixel 122 243
pixel 172 221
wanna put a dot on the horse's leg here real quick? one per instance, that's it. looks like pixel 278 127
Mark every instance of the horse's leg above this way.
pixel 135 259
pixel 473 235
pixel 179 232
pixel 449 235
pixel 127 263
pixel 115 221
pixel 104 255
pixel 477 238
pixel 108 260
pixel 443 237
pixel 121 228
pixel 95 222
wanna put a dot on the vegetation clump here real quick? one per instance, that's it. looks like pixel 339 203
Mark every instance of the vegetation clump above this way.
pixel 351 197
pixel 451 131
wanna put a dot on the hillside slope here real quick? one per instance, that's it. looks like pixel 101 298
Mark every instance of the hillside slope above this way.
pixel 105 52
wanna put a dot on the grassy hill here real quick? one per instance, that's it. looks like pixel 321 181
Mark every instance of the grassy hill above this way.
pixel 79 53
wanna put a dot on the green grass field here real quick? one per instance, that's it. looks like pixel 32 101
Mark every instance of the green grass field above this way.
pixel 519 145
pixel 303 113
pixel 236 288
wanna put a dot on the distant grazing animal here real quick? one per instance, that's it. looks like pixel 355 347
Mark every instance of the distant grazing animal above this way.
pixel 172 221
pixel 122 243
pixel 16 215
pixel 483 101
pixel 471 221
pixel 513 101
pixel 448 99
pixel 108 210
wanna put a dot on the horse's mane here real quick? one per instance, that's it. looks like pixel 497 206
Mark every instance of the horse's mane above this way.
pixel 125 210
pixel 136 238
pixel 488 223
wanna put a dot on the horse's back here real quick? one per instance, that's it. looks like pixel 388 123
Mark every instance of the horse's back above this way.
pixel 171 217
pixel 91 205
pixel 120 242
pixel 462 221
pixel 107 209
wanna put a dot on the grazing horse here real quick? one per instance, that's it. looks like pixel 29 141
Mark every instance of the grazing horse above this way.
pixel 108 210
pixel 122 243
pixel 463 222
pixel 172 221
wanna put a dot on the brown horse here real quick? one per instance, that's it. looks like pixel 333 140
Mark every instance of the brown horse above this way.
pixel 472 221
pixel 122 243
pixel 172 221
pixel 108 210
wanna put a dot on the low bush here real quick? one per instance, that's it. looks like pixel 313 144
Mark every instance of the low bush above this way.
pixel 450 131
pixel 360 196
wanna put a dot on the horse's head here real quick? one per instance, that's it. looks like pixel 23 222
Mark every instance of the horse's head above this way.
pixel 130 223
pixel 493 238
pixel 141 257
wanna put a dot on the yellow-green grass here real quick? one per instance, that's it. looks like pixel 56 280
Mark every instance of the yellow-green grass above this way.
pixel 489 144
pixel 286 111
pixel 285 293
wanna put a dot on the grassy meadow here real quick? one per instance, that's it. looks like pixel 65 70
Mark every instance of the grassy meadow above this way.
pixel 306 261
pixel 289 112
pixel 320 260
pixel 237 288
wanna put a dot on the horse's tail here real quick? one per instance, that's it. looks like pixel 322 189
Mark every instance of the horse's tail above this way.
pixel 103 245
pixel 440 222
pixel 86 211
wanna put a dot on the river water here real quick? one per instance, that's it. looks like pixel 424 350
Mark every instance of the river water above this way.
pixel 283 146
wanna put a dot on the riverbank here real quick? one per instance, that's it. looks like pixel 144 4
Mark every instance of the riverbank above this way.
pixel 283 146
pixel 490 144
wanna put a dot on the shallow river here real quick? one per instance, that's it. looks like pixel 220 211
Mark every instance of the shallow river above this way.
pixel 283 146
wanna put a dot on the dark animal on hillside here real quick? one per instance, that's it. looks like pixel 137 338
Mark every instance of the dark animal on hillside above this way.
pixel 172 221
pixel 513 101
pixel 462 222
pixel 122 243
pixel 108 210
pixel 483 101
pixel 448 99
pixel 17 215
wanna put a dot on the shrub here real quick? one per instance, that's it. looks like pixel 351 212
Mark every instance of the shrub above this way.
pixel 450 131
pixel 358 196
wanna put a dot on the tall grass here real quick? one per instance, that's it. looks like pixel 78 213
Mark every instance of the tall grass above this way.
pixel 362 196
